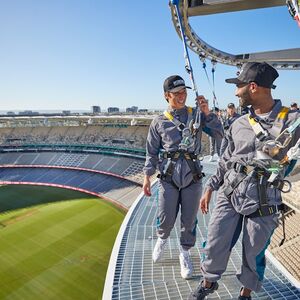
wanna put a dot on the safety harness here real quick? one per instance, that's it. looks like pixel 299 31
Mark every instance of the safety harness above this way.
pixel 187 143
pixel 265 169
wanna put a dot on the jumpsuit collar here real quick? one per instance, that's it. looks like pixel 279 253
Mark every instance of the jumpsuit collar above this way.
pixel 273 113
pixel 177 112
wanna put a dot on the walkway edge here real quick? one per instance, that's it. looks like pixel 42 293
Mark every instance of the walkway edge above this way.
pixel 110 274
pixel 282 269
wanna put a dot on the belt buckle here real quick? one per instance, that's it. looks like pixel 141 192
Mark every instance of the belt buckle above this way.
pixel 277 210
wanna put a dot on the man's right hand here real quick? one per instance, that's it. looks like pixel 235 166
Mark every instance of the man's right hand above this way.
pixel 204 201
pixel 147 186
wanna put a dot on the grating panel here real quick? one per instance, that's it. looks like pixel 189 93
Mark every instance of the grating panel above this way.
pixel 137 277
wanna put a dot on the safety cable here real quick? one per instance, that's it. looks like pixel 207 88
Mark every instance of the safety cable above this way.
pixel 212 85
pixel 188 65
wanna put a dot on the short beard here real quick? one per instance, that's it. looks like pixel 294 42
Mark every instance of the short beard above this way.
pixel 245 100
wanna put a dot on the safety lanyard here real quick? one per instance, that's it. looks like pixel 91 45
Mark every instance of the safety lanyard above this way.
pixel 212 85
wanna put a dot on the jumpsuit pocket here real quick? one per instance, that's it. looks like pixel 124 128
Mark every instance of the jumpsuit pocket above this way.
pixel 245 198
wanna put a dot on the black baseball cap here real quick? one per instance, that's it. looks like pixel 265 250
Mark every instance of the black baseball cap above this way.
pixel 261 73
pixel 231 105
pixel 174 84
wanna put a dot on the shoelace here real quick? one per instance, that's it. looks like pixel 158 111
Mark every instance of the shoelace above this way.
pixel 187 261
pixel 162 244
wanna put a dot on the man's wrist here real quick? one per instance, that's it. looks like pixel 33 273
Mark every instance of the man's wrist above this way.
pixel 208 189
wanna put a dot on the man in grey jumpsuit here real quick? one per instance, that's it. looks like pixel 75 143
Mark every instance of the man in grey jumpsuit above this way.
pixel 215 143
pixel 246 200
pixel 173 146
pixel 232 115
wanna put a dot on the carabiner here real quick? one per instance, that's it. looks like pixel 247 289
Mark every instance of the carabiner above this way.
pixel 288 184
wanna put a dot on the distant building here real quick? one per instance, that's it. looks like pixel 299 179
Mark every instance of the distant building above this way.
pixel 143 110
pixel 28 113
pixel 132 109
pixel 10 113
pixel 113 110
pixel 66 112
pixel 96 109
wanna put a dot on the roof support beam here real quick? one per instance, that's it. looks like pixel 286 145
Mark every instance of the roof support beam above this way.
pixel 222 6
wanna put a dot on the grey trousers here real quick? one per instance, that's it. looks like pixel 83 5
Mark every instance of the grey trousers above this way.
pixel 215 146
pixel 224 228
pixel 170 200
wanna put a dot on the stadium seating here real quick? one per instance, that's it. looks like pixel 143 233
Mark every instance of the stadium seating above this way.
pixel 129 136
pixel 106 185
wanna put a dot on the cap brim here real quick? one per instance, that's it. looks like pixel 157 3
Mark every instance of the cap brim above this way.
pixel 237 81
pixel 234 81
pixel 178 88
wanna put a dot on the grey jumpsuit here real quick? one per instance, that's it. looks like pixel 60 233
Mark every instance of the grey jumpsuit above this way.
pixel 215 144
pixel 226 126
pixel 182 193
pixel 228 217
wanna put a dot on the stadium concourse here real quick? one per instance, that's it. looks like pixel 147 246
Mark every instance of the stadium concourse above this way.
pixel 105 156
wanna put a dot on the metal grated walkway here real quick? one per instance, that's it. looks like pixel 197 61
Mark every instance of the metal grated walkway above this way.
pixel 136 277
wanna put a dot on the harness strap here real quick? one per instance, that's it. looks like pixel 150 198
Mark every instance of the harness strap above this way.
pixel 190 116
pixel 259 131
pixel 180 126
pixel 234 184
pixel 278 124
pixel 262 191
pixel 176 153
pixel 172 159
pixel 187 137
pixel 192 165
pixel 257 172
pixel 266 211
pixel 280 120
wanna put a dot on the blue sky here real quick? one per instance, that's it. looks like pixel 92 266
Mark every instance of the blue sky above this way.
pixel 71 54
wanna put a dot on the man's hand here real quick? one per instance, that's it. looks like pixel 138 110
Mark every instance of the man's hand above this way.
pixel 203 104
pixel 147 186
pixel 204 201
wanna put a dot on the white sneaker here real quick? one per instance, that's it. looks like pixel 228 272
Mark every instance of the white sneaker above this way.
pixel 185 264
pixel 158 250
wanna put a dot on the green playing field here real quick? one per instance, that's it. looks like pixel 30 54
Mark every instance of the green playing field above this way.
pixel 54 243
